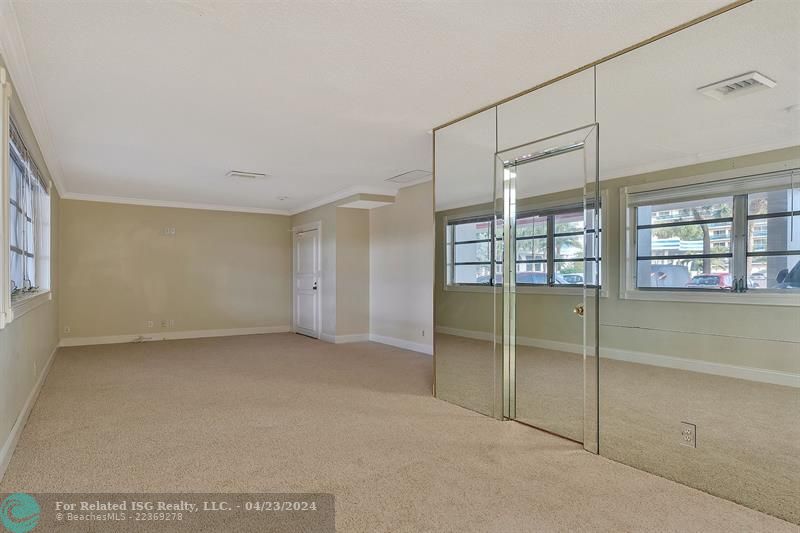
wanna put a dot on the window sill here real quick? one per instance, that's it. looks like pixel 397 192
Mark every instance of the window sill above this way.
pixel 27 303
pixel 524 289
pixel 723 297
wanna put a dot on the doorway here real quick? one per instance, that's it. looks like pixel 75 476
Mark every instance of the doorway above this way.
pixel 549 207
pixel 306 273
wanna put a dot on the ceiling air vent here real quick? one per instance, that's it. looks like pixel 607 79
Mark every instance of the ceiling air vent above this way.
pixel 411 176
pixel 246 175
pixel 738 85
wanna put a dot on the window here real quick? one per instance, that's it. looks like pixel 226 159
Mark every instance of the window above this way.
pixel 29 223
pixel 550 249
pixel 734 235
pixel 773 238
pixel 470 253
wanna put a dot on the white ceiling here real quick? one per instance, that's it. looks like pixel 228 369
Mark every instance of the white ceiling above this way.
pixel 156 101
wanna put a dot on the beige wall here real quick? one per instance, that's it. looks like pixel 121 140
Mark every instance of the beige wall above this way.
pixel 27 343
pixel 689 330
pixel 352 271
pixel 345 266
pixel 220 270
pixel 401 261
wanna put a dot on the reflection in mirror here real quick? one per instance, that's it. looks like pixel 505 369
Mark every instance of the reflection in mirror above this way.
pixel 704 327
pixel 467 241
pixel 550 259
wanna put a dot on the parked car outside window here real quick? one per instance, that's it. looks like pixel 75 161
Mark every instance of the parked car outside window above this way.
pixel 720 280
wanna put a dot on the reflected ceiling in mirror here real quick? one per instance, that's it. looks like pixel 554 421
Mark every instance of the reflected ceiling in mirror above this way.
pixel 653 103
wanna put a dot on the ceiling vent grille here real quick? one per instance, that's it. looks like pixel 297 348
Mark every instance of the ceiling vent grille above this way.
pixel 412 176
pixel 246 175
pixel 737 86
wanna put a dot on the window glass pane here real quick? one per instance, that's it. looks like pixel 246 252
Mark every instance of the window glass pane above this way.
pixel 530 249
pixel 498 251
pixel 14 228
pixel 780 201
pixel 686 211
pixel 765 272
pixel 16 270
pixel 569 247
pixel 775 234
pixel 697 273
pixel 30 273
pixel 689 239
pixel 528 226
pixel 590 219
pixel 593 269
pixel 569 222
pixel 532 273
pixel 15 178
pixel 472 274
pixel 498 229
pixel 27 196
pixel 473 231
pixel 29 237
pixel 569 273
pixel 471 252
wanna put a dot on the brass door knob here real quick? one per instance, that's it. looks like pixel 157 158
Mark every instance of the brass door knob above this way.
pixel 578 310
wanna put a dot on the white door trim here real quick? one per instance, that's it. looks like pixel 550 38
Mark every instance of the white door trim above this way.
pixel 311 226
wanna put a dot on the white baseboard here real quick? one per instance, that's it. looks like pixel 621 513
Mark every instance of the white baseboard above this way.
pixel 774 377
pixel 16 430
pixel 344 339
pixel 402 343
pixel 358 337
pixel 172 335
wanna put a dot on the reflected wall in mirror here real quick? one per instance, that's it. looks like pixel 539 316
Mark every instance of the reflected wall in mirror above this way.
pixel 466 367
pixel 705 325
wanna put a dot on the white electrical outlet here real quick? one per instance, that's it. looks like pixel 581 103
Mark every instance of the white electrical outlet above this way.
pixel 688 434
pixel 171 323
pixel 164 323
pixel 168 232
pixel 149 324
pixel 67 329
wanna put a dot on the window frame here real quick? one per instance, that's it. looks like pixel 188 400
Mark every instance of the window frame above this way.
pixel 10 310
pixel 544 209
pixel 628 260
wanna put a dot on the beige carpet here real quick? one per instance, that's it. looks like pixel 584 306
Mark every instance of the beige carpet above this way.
pixel 748 433
pixel 286 413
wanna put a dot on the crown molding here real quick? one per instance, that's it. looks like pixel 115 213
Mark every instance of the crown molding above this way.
pixel 13 50
pixel 169 203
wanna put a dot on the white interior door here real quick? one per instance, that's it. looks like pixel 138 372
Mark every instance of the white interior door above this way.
pixel 307 283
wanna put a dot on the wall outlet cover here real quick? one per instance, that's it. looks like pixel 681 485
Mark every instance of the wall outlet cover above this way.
pixel 688 434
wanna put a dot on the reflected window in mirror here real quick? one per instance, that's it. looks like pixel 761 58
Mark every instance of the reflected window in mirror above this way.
pixel 735 235
pixel 550 249
pixel 470 255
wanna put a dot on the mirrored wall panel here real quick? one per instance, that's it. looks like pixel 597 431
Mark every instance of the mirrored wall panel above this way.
pixel 684 256
pixel 700 331
pixel 467 240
